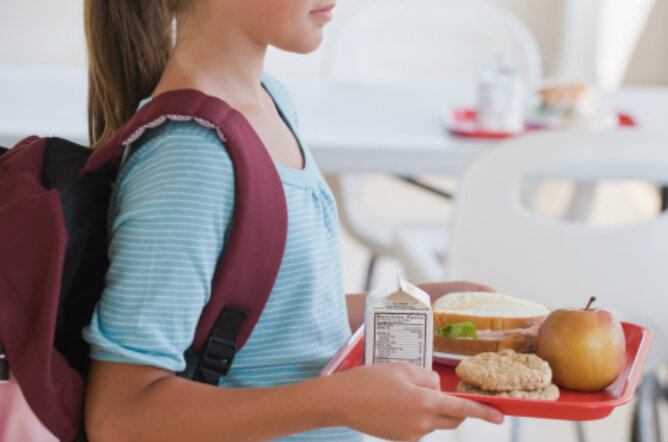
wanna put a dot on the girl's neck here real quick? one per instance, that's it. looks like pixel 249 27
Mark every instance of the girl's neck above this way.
pixel 222 62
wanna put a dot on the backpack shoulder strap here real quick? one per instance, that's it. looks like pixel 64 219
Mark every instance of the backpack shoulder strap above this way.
pixel 250 261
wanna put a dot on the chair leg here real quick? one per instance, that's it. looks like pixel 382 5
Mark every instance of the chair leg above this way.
pixel 370 270
pixel 580 432
pixel 657 421
pixel 582 200
pixel 645 427
pixel 516 429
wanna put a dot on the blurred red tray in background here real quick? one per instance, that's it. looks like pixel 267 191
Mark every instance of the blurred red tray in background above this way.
pixel 571 405
pixel 462 122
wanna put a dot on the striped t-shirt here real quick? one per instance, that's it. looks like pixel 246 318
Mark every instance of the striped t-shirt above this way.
pixel 169 214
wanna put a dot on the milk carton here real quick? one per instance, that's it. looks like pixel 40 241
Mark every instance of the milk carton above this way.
pixel 399 326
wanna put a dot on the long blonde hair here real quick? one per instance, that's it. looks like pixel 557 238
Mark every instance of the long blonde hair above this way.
pixel 129 43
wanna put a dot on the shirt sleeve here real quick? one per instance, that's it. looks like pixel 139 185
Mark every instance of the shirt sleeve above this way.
pixel 173 208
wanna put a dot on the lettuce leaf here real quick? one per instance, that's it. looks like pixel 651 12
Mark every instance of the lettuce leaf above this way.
pixel 458 330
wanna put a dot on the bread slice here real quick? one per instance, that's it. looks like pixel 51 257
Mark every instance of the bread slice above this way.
pixel 488 311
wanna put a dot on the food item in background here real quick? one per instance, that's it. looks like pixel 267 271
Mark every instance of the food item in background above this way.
pixel 469 323
pixel 575 97
pixel 571 104
pixel 586 347
pixel 507 374
pixel 398 326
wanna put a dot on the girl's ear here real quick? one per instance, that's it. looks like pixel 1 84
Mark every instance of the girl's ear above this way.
pixel 129 43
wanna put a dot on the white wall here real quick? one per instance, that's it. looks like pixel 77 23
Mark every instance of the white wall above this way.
pixel 44 32
pixel 49 32
pixel 649 63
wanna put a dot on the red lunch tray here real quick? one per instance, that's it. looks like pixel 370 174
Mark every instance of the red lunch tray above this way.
pixel 571 405
pixel 462 122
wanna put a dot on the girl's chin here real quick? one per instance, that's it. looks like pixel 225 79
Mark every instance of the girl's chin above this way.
pixel 304 46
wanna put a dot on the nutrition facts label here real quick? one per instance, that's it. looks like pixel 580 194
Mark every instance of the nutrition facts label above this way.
pixel 400 337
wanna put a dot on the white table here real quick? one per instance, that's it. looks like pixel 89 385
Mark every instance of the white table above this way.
pixel 349 128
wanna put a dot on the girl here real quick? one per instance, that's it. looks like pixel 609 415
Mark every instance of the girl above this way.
pixel 169 214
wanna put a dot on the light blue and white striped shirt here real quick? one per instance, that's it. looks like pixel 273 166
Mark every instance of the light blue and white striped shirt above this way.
pixel 169 214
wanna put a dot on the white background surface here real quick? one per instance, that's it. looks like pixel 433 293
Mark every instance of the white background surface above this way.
pixel 51 32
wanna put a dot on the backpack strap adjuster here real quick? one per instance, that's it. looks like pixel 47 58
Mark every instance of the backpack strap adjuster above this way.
pixel 220 348
pixel 4 366
pixel 217 359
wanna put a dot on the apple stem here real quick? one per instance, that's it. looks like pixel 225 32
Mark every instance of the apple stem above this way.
pixel 591 301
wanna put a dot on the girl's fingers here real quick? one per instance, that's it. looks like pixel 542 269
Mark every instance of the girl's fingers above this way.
pixel 447 423
pixel 426 378
pixel 458 407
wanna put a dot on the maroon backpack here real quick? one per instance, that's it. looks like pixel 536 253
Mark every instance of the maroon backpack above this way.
pixel 54 197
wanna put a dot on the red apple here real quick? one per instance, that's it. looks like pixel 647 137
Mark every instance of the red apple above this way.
pixel 585 347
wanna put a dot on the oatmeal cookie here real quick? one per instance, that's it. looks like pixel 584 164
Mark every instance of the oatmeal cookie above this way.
pixel 549 393
pixel 505 371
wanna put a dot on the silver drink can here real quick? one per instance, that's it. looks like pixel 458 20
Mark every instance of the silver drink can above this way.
pixel 501 98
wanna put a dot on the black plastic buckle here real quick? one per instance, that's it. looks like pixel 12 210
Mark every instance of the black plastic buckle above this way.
pixel 4 366
pixel 216 359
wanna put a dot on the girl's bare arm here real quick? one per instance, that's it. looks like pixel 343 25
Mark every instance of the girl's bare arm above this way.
pixel 128 403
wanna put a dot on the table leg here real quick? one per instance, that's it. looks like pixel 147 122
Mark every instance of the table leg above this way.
pixel 417 183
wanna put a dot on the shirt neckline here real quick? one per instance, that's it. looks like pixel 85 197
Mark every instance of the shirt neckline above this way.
pixel 294 176
pixel 304 177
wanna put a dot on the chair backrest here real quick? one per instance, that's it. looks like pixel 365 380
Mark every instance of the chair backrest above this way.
pixel 395 41
pixel 498 241
pixel 398 40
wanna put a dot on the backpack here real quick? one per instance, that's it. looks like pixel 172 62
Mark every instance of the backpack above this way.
pixel 54 197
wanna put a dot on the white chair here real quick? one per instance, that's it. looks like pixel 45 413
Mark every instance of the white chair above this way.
pixel 396 41
pixel 499 241
pixel 596 42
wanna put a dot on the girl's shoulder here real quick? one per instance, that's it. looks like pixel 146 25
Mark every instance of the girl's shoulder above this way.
pixel 191 146
pixel 178 136
pixel 181 148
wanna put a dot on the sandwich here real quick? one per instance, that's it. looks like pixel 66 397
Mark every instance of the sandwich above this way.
pixel 567 99
pixel 572 105
pixel 469 323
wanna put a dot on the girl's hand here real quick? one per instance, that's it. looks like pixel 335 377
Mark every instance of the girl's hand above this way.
pixel 399 401
pixel 438 289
